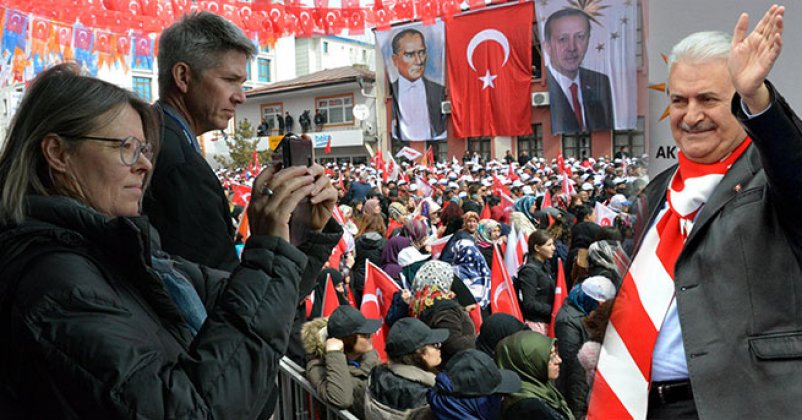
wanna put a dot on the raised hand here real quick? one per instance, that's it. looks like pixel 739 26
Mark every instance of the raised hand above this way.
pixel 753 56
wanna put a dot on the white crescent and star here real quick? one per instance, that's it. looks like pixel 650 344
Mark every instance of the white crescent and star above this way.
pixel 482 36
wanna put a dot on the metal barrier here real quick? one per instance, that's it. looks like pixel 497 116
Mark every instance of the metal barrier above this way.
pixel 298 400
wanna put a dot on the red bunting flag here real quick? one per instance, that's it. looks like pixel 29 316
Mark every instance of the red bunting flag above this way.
pixel 559 295
pixel 327 150
pixel 242 195
pixel 376 300
pixel 489 56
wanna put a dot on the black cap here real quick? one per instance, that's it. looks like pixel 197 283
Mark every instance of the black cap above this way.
pixel 409 334
pixel 347 320
pixel 474 373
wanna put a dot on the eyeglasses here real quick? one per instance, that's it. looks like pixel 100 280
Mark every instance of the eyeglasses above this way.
pixel 130 147
pixel 437 345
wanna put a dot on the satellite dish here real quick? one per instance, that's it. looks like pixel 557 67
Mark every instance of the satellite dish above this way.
pixel 361 112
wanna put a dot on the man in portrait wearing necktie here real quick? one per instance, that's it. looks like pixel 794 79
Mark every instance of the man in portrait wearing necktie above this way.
pixel 581 99
pixel 413 120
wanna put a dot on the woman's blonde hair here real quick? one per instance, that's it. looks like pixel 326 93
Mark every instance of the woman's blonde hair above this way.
pixel 63 102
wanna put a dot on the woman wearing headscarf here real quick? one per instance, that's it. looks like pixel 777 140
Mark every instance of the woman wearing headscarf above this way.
pixel 487 235
pixel 412 258
pixel 571 333
pixel 470 267
pixel 535 283
pixel 495 328
pixel 470 222
pixel 368 246
pixel 348 217
pixel 320 290
pixel 441 302
pixel 602 257
pixel 534 358
pixel 389 259
pixel 397 214
pixel 397 390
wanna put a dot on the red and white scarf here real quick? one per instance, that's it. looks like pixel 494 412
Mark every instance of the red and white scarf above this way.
pixel 621 386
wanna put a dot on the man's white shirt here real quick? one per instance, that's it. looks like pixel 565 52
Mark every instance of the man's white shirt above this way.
pixel 413 110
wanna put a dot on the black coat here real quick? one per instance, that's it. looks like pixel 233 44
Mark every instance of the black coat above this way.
pixel 449 314
pixel 97 335
pixel 532 408
pixel 737 279
pixel 536 290
pixel 186 203
pixel 368 247
pixel 571 334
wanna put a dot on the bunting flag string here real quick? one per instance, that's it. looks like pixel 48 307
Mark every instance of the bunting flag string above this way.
pixel 123 33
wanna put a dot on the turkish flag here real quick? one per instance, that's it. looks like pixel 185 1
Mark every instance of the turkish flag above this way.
pixel 498 187
pixel 242 195
pixel 559 295
pixel 485 213
pixel 438 245
pixel 546 201
pixel 501 289
pixel 330 301
pixel 489 67
pixel 605 216
pixel 376 300
pixel 327 150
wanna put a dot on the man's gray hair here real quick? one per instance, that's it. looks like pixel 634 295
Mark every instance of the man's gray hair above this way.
pixel 701 47
pixel 199 40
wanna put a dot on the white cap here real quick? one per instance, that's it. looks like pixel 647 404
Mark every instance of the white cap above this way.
pixel 587 187
pixel 463 194
pixel 527 190
pixel 598 288
pixel 517 183
pixel 413 187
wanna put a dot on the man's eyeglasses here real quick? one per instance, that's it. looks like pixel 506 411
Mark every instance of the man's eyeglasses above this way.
pixel 130 147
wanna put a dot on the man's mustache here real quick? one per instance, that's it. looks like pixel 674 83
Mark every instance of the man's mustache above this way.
pixel 698 127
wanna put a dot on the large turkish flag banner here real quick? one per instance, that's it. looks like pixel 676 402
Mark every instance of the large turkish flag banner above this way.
pixel 490 71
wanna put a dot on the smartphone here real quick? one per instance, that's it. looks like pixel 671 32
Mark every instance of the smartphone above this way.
pixel 298 151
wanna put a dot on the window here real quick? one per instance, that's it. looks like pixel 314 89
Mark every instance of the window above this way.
pixel 269 113
pixel 537 61
pixel 365 56
pixel 264 69
pixel 248 70
pixel 633 139
pixel 337 110
pixel 325 47
pixel 577 146
pixel 440 149
pixel 480 145
pixel 639 37
pixel 142 87
pixel 533 143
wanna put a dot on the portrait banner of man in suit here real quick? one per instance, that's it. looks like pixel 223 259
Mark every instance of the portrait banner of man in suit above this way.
pixel 414 61
pixel 590 65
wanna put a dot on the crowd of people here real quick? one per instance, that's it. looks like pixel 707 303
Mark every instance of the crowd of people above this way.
pixel 122 294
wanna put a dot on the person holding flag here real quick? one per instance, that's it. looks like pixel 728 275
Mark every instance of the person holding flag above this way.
pixel 535 283
pixel 341 357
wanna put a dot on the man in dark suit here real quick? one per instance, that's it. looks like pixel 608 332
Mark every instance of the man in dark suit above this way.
pixel 412 120
pixel 581 99
pixel 185 201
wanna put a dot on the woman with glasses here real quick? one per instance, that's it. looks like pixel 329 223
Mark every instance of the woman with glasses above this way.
pixel 96 321
pixel 397 390
pixel 535 359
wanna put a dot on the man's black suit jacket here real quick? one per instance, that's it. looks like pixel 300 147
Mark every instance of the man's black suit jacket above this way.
pixel 435 93
pixel 597 101
pixel 187 204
